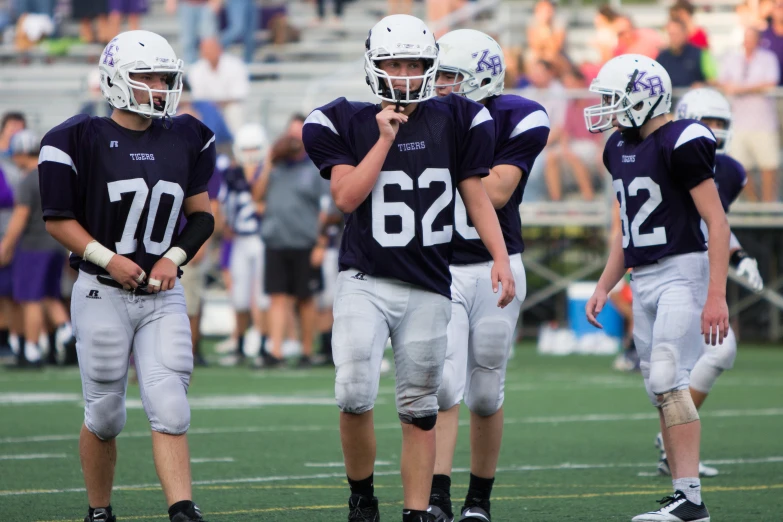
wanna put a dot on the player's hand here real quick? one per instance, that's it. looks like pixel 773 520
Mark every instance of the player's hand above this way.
pixel 389 122
pixel 6 253
pixel 501 274
pixel 126 272
pixel 715 319
pixel 594 306
pixel 317 256
pixel 162 276
pixel 749 269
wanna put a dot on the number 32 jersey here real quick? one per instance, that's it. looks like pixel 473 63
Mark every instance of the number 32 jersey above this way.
pixel 652 179
pixel 126 188
pixel 403 230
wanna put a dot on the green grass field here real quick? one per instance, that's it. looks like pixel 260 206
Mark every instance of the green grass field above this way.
pixel 578 446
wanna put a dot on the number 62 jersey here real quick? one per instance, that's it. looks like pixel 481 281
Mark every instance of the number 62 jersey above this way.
pixel 652 179
pixel 126 188
pixel 403 229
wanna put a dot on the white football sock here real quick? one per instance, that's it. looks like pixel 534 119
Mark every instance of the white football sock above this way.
pixel 690 486
pixel 31 352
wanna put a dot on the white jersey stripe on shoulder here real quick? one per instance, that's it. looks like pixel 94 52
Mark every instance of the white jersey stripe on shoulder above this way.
pixel 693 131
pixel 481 117
pixel 531 121
pixel 321 119
pixel 53 154
pixel 208 143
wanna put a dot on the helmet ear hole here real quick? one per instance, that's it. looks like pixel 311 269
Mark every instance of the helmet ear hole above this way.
pixel 119 95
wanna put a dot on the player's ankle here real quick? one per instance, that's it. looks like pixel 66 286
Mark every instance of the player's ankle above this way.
pixel 363 487
pixel 441 484
pixel 479 489
pixel 186 507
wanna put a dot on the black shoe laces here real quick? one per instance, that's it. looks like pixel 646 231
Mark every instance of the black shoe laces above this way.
pixel 671 498
pixel 358 513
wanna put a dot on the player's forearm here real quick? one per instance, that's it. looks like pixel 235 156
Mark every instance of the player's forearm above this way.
pixel 484 217
pixel 501 183
pixel 718 252
pixel 70 234
pixel 349 190
pixel 615 265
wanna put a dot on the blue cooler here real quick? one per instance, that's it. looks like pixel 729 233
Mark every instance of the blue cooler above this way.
pixel 578 294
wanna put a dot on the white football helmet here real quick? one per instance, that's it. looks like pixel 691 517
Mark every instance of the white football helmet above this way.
pixel 477 58
pixel 633 89
pixel 250 144
pixel 402 37
pixel 707 103
pixel 138 52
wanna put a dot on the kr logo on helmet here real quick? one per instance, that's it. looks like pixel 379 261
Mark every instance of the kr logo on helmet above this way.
pixel 652 83
pixel 108 54
pixel 486 64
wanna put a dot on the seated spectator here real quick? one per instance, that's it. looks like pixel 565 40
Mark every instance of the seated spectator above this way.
pixel 687 65
pixel 132 9
pixel 545 34
pixel 580 150
pixel 243 21
pixel 747 77
pixel 11 123
pixel 337 18
pixel 605 39
pixel 632 40
pixel 89 12
pixel 197 21
pixel 399 7
pixel 683 10
pixel 772 37
pixel 221 78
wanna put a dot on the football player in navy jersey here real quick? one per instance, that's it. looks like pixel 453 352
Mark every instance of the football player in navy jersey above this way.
pixel 112 190
pixel 394 168
pixel 480 334
pixel 662 173
pixel 711 108
pixel 243 225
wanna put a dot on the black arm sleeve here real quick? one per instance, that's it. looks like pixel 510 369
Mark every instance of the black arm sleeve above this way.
pixel 196 232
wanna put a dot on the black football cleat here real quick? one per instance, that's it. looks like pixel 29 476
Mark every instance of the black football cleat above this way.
pixel 676 508
pixel 440 507
pixel 100 515
pixel 363 509
pixel 476 511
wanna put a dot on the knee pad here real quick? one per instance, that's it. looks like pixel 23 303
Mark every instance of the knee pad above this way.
pixel 426 423
pixel 105 417
pixel 678 408
pixel 167 407
pixel 713 362
pixel 664 363
pixel 490 348
pixel 452 386
pixel 644 367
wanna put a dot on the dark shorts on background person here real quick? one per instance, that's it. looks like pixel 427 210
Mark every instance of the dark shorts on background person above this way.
pixel 288 271
pixel 6 288
pixel 37 274
pixel 129 6
pixel 89 9
pixel 225 253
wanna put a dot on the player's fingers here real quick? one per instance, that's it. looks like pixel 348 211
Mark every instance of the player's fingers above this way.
pixel 171 283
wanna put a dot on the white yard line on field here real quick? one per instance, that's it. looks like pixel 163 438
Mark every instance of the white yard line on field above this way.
pixel 34 456
pixel 555 419
pixel 566 466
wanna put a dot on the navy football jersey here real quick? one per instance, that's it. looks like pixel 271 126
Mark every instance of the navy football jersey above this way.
pixel 236 199
pixel 403 230
pixel 730 177
pixel 126 188
pixel 521 132
pixel 652 179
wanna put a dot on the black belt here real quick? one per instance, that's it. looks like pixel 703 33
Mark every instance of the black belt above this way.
pixel 108 281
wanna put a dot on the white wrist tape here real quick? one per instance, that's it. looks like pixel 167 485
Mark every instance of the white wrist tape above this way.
pixel 177 255
pixel 97 254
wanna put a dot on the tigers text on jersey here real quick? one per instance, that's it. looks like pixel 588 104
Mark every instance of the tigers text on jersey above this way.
pixel 521 131
pixel 403 230
pixel 90 171
pixel 236 198
pixel 730 177
pixel 652 179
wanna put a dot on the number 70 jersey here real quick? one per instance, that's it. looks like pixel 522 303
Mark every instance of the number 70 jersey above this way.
pixel 403 230
pixel 126 188
pixel 652 179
